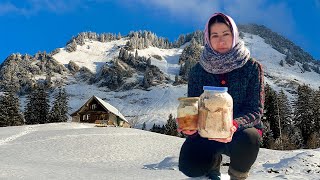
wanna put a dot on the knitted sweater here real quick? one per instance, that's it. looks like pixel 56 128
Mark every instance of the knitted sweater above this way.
pixel 245 85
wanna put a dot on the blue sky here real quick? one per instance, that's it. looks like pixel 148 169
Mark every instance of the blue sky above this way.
pixel 29 26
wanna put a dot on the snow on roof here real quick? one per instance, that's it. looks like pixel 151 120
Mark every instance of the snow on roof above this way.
pixel 106 106
pixel 110 108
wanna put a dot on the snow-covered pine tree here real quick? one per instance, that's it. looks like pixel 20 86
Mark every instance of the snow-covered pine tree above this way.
pixel 147 78
pixel 42 105
pixel 180 41
pixel 171 126
pixel 29 112
pixel 119 36
pixel 271 110
pixel 314 139
pixel 316 109
pixel 267 136
pixel 3 113
pixel 189 57
pixel 296 137
pixel 37 108
pixel 136 56
pixel 64 101
pixel 303 112
pixel 285 112
pixel 12 106
pixel 289 58
pixel 289 135
pixel 59 109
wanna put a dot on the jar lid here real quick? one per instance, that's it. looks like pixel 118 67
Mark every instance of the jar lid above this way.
pixel 215 88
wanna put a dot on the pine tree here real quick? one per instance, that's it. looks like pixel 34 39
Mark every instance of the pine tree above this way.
pixel 290 136
pixel 296 137
pixel 37 108
pixel 281 63
pixel 144 126
pixel 316 109
pixel 3 113
pixel 12 105
pixel 119 36
pixel 155 128
pixel 180 41
pixel 285 113
pixel 303 112
pixel 313 141
pixel 271 111
pixel 189 57
pixel 284 108
pixel 136 56
pixel 284 143
pixel 30 113
pixel 162 129
pixel 42 105
pixel 59 109
pixel 171 127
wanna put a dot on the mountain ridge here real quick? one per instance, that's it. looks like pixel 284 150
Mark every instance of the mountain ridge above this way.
pixel 142 83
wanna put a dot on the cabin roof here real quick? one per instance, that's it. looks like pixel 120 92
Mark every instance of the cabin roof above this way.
pixel 105 105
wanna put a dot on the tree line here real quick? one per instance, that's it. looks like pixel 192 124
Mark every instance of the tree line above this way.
pixel 287 125
pixel 292 125
pixel 37 109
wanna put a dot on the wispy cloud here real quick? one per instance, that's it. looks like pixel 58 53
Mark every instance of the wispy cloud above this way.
pixel 317 3
pixel 32 7
pixel 277 15
pixel 194 12
pixel 7 8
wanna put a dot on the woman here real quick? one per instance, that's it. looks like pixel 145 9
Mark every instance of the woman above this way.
pixel 226 62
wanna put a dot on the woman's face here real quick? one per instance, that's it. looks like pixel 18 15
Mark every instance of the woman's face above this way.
pixel 221 37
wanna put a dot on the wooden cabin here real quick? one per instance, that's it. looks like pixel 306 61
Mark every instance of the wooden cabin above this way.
pixel 95 110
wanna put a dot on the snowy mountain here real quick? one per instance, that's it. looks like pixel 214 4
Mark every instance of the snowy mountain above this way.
pixel 88 65
pixel 82 151
pixel 155 104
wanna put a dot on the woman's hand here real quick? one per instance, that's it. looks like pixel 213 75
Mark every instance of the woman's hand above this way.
pixel 226 140
pixel 187 132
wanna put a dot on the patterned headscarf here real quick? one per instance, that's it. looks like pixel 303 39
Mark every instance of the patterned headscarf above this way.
pixel 217 63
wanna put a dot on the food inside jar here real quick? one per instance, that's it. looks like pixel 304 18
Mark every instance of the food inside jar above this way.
pixel 188 122
pixel 214 124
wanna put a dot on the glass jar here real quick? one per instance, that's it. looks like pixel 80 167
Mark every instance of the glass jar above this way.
pixel 187 115
pixel 215 112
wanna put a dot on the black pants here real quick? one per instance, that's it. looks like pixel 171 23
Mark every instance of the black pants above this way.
pixel 200 156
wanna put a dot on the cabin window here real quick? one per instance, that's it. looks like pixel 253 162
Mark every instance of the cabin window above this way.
pixel 86 117
pixel 93 106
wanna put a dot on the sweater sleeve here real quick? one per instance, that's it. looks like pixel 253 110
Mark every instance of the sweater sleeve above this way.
pixel 254 104
pixel 194 82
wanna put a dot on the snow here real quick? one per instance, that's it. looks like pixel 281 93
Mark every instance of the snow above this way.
pixel 270 59
pixel 93 54
pixel 169 59
pixel 82 151
pixel 155 104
